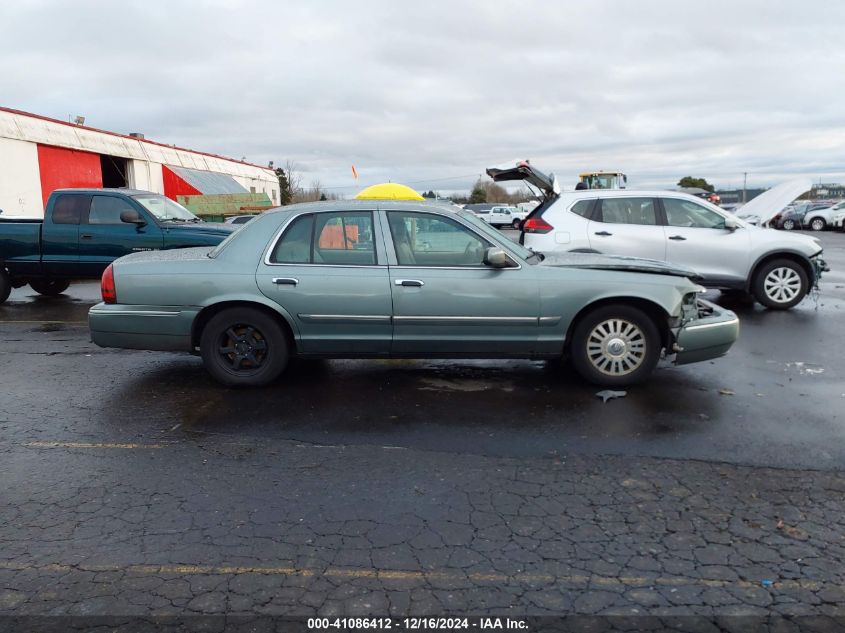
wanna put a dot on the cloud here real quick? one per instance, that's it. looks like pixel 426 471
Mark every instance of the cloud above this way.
pixel 432 93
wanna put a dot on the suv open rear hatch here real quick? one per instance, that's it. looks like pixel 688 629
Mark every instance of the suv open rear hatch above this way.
pixel 546 183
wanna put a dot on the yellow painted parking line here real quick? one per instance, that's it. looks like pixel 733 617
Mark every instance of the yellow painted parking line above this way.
pixel 396 574
pixel 93 445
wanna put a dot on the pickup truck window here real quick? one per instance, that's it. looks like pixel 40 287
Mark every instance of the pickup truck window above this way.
pixel 107 210
pixel 70 209
pixel 165 209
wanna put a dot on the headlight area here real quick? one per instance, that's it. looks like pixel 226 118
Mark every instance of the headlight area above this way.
pixel 819 265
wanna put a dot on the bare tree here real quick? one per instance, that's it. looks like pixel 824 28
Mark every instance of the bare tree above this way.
pixel 294 178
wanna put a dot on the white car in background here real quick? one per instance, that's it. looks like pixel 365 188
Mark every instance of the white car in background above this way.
pixel 778 269
pixel 820 219
pixel 502 216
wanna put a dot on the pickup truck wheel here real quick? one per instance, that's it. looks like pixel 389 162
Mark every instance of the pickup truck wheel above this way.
pixel 615 345
pixel 49 287
pixel 5 286
pixel 818 224
pixel 780 284
pixel 244 347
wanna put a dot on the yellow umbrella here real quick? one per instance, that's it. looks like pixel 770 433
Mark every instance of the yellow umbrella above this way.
pixel 388 191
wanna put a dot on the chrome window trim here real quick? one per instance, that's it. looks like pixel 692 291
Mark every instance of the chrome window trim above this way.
pixel 517 267
pixel 278 235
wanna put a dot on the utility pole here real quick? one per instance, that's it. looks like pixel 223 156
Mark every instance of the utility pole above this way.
pixel 744 182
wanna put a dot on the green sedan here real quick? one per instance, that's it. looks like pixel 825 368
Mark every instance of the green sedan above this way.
pixel 391 279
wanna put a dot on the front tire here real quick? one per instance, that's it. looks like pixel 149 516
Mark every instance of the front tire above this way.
pixel 49 287
pixel 818 224
pixel 788 225
pixel 244 347
pixel 781 284
pixel 615 345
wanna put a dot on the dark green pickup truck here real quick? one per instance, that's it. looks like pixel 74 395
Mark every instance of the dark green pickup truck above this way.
pixel 84 230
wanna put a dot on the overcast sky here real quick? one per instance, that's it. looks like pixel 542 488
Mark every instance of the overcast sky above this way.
pixel 431 93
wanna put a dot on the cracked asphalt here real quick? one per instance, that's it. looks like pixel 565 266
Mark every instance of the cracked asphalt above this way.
pixel 135 486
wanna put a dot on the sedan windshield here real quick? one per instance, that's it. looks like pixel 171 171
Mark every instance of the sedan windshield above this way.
pixel 165 209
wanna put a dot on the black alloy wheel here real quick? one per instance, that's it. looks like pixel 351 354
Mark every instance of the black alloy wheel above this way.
pixel 244 347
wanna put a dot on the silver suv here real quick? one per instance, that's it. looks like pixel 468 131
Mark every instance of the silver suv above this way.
pixel 778 269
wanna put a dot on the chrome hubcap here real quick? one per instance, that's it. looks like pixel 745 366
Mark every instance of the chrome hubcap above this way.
pixel 782 285
pixel 818 225
pixel 616 347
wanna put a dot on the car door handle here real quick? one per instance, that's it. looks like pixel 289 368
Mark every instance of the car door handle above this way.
pixel 285 281
pixel 86 236
pixel 603 233
pixel 678 238
pixel 414 283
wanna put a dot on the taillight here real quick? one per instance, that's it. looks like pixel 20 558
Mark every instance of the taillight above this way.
pixel 107 286
pixel 536 225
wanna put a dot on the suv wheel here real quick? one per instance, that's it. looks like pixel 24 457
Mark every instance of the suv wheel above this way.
pixel 615 345
pixel 244 347
pixel 515 224
pixel 818 224
pixel 780 284
pixel 49 287
pixel 788 225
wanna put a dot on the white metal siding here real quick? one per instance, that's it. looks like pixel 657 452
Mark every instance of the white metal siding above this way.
pixel 20 179
pixel 145 166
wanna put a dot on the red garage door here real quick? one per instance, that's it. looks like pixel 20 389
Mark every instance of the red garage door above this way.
pixel 61 168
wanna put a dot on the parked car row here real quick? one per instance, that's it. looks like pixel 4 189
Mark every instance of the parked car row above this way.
pixel 816 216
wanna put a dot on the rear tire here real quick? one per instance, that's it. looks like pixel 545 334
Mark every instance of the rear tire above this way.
pixel 781 284
pixel 818 224
pixel 5 286
pixel 49 287
pixel 244 347
pixel 788 225
pixel 615 345
pixel 515 224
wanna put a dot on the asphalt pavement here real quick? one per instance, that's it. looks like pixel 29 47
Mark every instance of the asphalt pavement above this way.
pixel 135 485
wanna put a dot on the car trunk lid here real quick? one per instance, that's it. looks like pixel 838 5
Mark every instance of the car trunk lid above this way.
pixel 546 183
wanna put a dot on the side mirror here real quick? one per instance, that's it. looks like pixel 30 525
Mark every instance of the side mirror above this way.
pixel 132 217
pixel 495 257
pixel 730 224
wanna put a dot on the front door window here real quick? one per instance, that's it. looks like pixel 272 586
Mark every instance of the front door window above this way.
pixel 424 239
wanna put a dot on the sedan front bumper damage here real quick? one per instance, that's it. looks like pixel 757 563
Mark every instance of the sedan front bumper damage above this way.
pixel 708 336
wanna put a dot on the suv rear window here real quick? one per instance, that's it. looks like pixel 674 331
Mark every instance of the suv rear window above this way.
pixel 583 207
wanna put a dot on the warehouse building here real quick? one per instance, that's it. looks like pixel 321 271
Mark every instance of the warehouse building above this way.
pixel 39 155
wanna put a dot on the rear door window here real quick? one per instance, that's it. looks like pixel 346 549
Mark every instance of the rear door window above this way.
pixel 627 211
pixel 344 238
